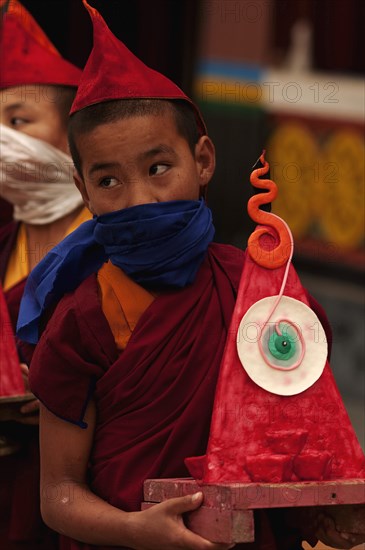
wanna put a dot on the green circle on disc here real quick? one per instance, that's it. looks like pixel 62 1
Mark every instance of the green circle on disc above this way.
pixel 281 346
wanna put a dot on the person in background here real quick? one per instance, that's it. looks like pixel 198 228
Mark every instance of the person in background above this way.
pixel 37 87
pixel 127 364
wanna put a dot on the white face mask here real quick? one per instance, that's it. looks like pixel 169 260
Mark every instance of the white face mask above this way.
pixel 36 178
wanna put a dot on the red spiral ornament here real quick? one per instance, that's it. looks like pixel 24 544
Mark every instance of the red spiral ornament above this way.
pixel 279 255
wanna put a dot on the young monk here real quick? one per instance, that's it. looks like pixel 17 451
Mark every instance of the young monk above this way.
pixel 37 87
pixel 127 365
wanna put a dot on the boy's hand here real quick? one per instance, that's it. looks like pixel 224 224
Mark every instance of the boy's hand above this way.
pixel 161 527
pixel 31 408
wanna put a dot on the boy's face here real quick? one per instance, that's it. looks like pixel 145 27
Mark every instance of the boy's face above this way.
pixel 32 109
pixel 140 160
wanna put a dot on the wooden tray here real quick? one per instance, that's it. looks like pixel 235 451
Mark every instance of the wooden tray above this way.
pixel 227 512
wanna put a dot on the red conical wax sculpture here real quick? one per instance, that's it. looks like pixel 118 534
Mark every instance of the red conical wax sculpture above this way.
pixel 278 415
pixel 11 381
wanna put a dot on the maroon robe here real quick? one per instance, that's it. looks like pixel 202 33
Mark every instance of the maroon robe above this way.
pixel 154 400
pixel 21 525
pixel 6 212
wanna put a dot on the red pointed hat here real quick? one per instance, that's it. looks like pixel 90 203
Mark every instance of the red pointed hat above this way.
pixel 114 72
pixel 27 55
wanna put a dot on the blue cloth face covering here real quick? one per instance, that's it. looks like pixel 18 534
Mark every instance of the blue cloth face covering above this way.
pixel 159 245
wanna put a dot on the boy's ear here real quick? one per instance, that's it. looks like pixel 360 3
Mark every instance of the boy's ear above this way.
pixel 205 161
pixel 80 184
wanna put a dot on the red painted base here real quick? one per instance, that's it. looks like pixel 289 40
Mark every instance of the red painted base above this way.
pixel 227 512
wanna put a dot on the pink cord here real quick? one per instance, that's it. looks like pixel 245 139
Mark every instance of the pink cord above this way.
pixel 277 323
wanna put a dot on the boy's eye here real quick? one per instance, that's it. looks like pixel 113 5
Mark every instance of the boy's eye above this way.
pixel 17 121
pixel 158 169
pixel 108 183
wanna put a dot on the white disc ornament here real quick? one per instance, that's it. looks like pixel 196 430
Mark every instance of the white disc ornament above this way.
pixel 285 353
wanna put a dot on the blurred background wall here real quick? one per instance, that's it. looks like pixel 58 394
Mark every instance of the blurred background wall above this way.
pixel 282 75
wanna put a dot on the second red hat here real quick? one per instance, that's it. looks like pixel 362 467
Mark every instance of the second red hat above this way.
pixel 27 54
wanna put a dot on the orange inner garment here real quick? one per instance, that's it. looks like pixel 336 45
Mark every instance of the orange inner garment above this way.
pixel 123 302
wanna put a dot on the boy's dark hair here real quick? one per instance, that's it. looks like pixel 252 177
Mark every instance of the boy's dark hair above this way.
pixel 88 119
